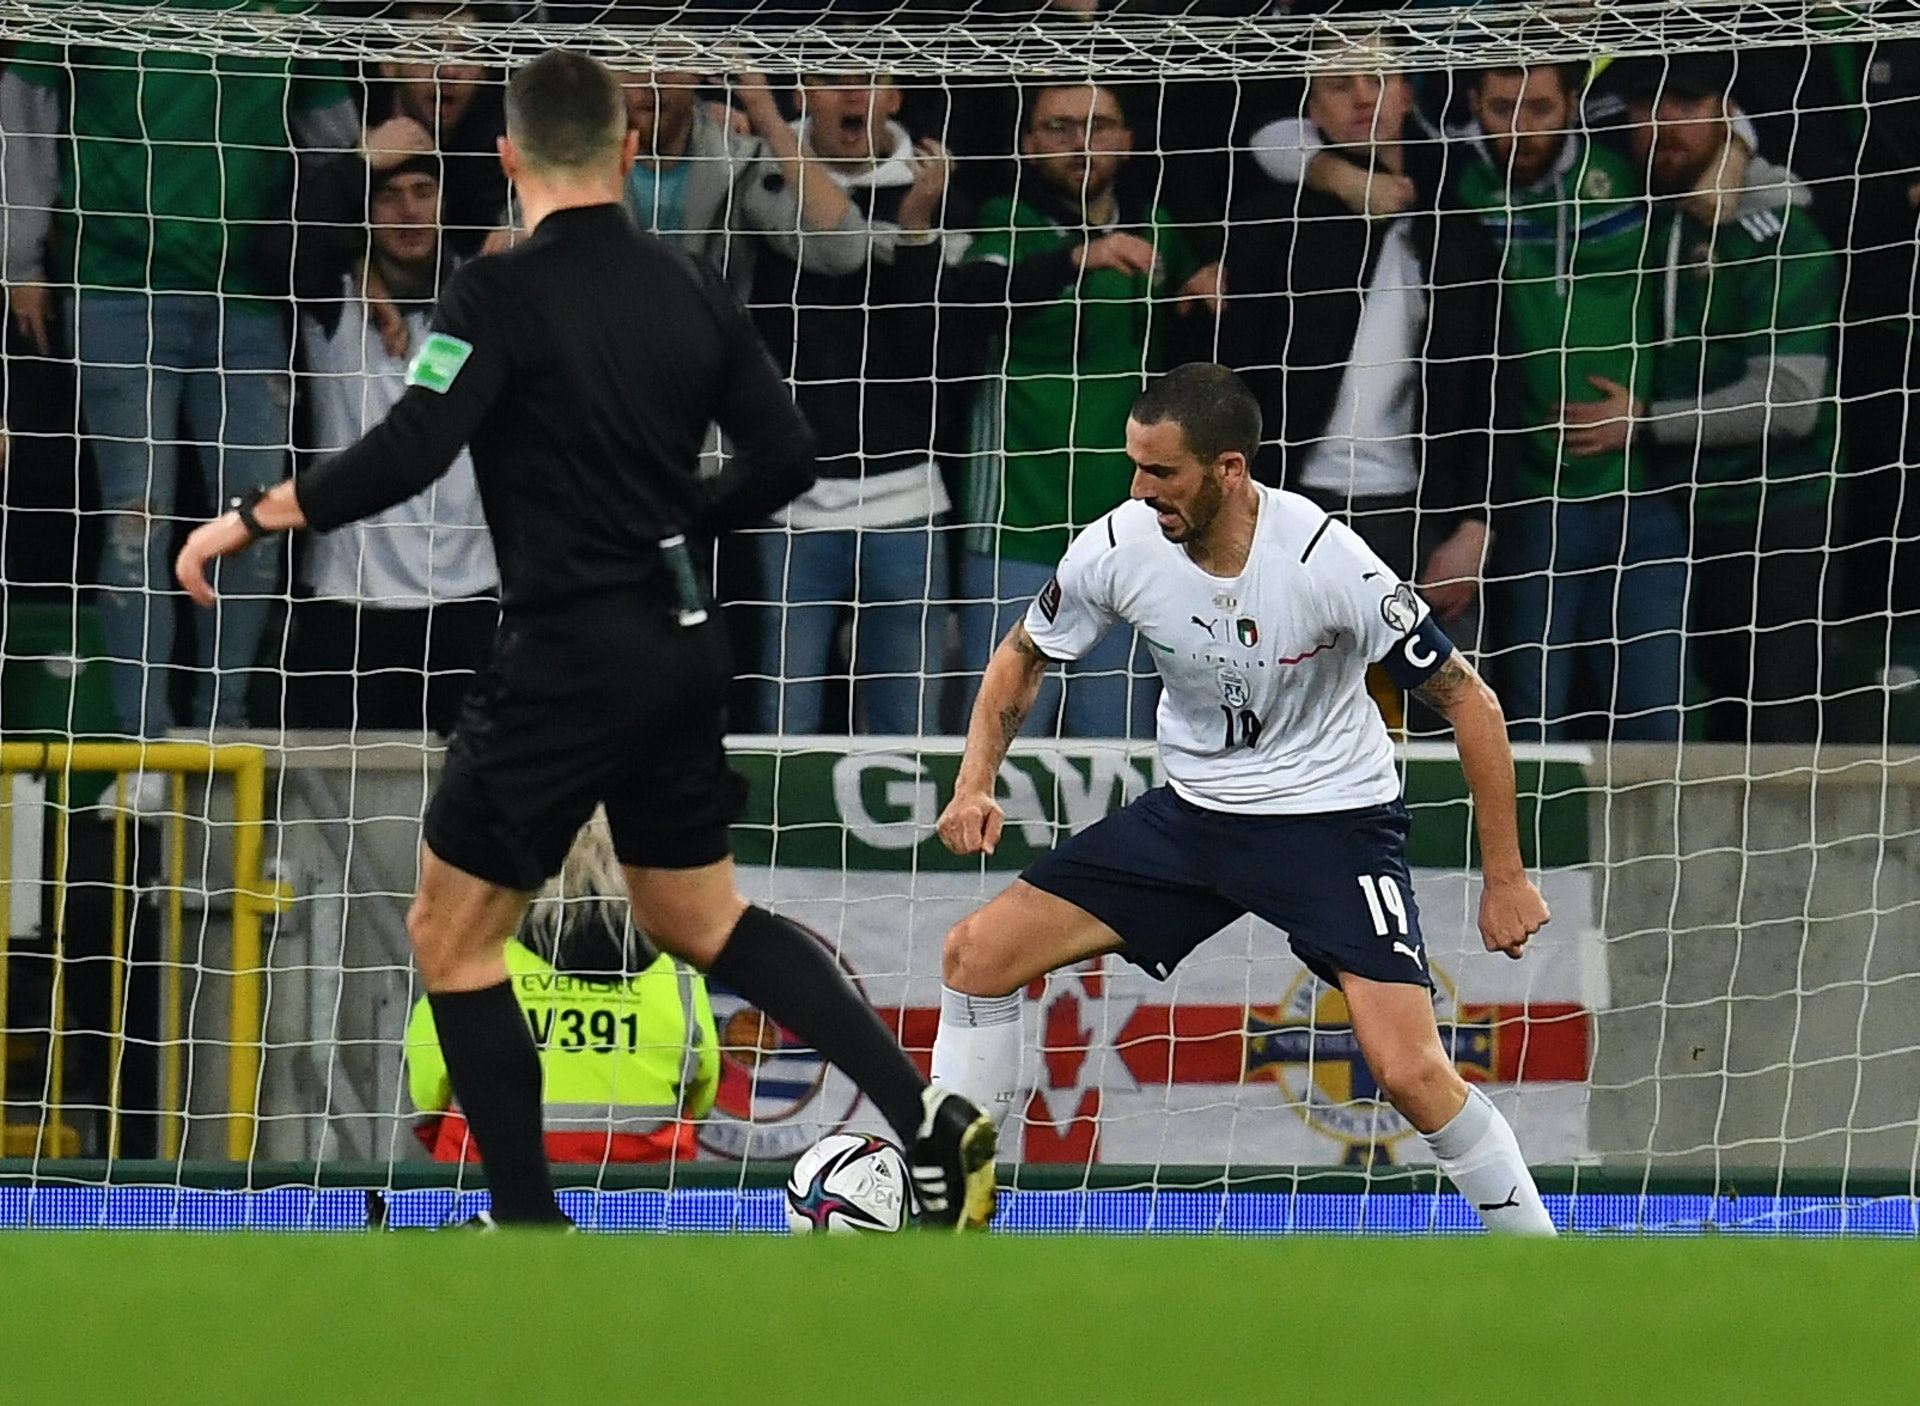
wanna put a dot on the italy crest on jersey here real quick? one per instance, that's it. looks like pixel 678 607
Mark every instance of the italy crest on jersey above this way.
pixel 1246 631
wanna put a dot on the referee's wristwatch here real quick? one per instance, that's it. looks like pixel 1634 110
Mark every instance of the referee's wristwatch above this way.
pixel 241 505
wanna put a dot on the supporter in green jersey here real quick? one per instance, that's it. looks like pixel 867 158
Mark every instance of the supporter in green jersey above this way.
pixel 1076 285
pixel 1587 579
pixel 149 202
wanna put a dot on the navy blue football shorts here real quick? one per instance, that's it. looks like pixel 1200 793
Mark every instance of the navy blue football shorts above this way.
pixel 1166 874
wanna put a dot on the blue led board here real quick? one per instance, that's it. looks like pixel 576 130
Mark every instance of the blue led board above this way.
pixel 692 1211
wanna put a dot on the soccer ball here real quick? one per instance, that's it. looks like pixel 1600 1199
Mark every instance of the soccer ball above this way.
pixel 846 1183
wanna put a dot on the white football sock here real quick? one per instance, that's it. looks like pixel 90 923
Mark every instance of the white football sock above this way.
pixel 1478 1152
pixel 977 1052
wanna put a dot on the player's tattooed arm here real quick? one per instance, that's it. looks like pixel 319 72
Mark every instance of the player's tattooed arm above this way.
pixel 1511 909
pixel 1450 685
pixel 971 822
pixel 1033 669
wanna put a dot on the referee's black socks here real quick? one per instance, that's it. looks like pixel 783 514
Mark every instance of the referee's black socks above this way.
pixel 792 978
pixel 495 1072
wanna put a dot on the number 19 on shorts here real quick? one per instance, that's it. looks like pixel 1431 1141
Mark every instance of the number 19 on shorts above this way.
pixel 1384 902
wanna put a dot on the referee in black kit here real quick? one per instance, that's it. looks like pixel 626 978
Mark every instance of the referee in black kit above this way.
pixel 583 368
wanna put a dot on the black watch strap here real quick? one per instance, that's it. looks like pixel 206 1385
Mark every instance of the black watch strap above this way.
pixel 243 505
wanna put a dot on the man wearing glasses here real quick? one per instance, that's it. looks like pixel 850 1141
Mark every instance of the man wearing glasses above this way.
pixel 1076 284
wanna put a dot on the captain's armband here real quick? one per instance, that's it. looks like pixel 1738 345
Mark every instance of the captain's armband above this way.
pixel 1419 654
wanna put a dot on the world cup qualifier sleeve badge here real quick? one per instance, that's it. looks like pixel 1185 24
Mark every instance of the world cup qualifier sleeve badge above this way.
pixel 1401 610
pixel 1049 598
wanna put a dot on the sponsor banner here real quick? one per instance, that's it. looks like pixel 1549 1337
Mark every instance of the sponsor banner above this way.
pixel 872 803
pixel 1241 1058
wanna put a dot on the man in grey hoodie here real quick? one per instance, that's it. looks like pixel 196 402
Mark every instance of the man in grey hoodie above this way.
pixel 1740 406
pixel 395 613
pixel 718 193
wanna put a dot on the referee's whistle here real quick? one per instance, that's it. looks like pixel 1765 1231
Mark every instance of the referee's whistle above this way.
pixel 693 606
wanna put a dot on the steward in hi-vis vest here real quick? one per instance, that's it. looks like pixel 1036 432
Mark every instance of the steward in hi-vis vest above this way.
pixel 628 1063
pixel 628 1054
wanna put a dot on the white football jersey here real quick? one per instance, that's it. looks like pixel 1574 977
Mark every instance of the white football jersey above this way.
pixel 1265 706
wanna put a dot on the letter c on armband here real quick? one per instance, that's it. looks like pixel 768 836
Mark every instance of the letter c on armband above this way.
pixel 1419 656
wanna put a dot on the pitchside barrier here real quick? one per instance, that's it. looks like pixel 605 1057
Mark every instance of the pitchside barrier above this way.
pixel 67 958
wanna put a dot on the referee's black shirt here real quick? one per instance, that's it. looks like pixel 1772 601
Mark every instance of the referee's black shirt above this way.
pixel 583 368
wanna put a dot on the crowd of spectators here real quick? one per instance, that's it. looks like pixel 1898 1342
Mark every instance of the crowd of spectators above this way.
pixel 1613 359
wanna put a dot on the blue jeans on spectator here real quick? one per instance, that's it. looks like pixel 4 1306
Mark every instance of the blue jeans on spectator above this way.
pixel 148 363
pixel 895 581
pixel 1599 579
pixel 1110 693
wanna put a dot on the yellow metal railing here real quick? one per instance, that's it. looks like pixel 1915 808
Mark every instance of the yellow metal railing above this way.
pixel 251 898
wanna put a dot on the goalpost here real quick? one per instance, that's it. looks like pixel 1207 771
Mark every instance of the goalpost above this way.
pixel 203 1005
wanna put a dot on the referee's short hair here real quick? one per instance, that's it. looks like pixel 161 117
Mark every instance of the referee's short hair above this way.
pixel 1215 411
pixel 566 113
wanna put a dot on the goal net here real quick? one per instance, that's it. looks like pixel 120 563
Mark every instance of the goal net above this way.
pixel 1594 320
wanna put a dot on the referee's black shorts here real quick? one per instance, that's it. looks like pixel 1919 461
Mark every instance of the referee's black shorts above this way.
pixel 607 699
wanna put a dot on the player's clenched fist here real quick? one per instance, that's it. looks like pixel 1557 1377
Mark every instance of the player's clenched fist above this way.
pixel 1510 913
pixel 971 823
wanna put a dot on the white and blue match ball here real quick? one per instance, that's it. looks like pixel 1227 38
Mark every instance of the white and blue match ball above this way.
pixel 848 1183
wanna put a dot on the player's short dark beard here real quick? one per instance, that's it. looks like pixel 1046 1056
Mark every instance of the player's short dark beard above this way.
pixel 1207 504
pixel 1200 514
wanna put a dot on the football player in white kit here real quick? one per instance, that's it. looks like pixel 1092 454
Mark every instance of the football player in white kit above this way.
pixel 1282 798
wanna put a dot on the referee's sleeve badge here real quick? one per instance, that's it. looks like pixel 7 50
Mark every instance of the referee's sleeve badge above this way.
pixel 437 364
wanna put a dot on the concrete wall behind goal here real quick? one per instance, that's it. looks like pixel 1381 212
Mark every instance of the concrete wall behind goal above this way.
pixel 1761 912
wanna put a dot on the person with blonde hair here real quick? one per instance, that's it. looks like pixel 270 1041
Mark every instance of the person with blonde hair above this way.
pixel 628 1052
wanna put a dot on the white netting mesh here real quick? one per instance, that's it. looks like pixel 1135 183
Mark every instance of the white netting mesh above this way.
pixel 1730 980
pixel 934 41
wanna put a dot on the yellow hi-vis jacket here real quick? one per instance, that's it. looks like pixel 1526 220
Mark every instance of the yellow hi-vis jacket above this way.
pixel 627 1063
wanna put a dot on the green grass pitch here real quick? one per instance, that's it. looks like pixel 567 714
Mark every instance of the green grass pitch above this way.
pixel 412 1319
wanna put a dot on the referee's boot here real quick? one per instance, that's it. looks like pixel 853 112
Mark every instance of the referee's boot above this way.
pixel 380 1211
pixel 484 1223
pixel 952 1161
